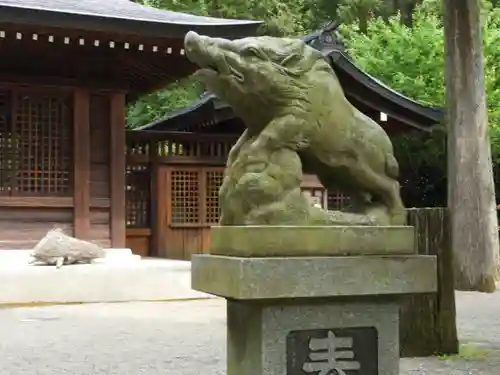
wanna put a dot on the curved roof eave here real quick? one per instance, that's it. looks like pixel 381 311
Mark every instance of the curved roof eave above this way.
pixel 120 16
pixel 345 63
pixel 203 105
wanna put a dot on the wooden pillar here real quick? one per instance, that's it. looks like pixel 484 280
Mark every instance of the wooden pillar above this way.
pixel 155 188
pixel 117 169
pixel 81 139
pixel 471 191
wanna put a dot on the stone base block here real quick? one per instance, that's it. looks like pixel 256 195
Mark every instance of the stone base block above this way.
pixel 327 338
pixel 295 241
pixel 313 277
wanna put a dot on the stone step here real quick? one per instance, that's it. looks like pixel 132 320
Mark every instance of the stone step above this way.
pixel 119 278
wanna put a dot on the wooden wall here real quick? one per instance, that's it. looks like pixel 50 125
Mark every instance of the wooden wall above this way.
pixel 36 132
pixel 22 226
pixel 99 167
pixel 93 205
pixel 100 230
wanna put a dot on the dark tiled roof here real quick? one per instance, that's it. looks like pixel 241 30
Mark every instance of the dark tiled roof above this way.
pixel 119 16
pixel 206 107
pixel 201 108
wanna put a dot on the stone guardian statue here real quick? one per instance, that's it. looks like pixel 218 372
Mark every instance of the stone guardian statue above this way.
pixel 298 119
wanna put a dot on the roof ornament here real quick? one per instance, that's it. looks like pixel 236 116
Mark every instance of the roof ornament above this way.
pixel 326 39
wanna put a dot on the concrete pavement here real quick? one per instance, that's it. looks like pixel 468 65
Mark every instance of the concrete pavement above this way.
pixel 187 338
pixel 119 277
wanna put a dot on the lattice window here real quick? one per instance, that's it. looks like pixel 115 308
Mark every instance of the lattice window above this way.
pixel 337 201
pixel 185 190
pixel 213 181
pixel 35 143
pixel 7 156
pixel 138 195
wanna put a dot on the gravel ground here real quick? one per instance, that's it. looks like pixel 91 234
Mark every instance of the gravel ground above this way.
pixel 187 338
pixel 479 332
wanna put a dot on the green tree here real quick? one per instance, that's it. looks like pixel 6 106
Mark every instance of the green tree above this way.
pixel 411 60
pixel 359 11
pixel 323 12
pixel 159 104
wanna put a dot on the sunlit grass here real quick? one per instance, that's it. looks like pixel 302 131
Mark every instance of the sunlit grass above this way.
pixel 467 352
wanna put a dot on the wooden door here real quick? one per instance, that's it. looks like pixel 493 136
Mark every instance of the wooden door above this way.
pixel 187 206
pixel 138 209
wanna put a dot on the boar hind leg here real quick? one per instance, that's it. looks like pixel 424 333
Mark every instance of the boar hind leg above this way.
pixel 383 189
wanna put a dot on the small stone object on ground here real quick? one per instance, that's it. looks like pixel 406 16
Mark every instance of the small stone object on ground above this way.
pixel 57 248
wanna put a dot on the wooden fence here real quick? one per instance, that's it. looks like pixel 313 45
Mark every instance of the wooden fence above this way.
pixel 428 322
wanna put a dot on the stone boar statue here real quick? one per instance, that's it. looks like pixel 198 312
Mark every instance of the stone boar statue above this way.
pixel 298 119
pixel 57 248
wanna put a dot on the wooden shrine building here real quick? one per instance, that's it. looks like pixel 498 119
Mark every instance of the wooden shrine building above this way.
pixel 176 164
pixel 67 68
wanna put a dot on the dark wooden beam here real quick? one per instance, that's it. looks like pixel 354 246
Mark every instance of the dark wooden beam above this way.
pixel 81 137
pixel 138 72
pixel 471 190
pixel 119 38
pixel 49 202
pixel 178 136
pixel 117 174
pixel 60 83
pixel 154 211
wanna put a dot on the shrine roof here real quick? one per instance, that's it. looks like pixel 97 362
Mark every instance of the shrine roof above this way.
pixel 119 16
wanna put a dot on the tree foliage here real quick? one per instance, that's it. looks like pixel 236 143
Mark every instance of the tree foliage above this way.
pixel 159 104
pixel 411 61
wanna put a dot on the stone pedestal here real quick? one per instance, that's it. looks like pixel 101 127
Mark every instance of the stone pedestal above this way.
pixel 313 300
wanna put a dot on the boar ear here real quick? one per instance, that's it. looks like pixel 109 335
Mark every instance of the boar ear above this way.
pixel 290 59
pixel 296 64
pixel 254 51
